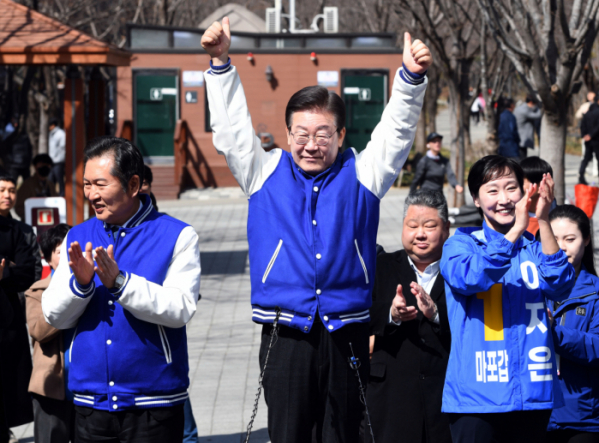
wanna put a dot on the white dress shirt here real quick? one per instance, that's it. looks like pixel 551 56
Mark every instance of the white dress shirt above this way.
pixel 425 279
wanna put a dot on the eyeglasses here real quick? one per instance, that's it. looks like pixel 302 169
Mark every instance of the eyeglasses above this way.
pixel 319 139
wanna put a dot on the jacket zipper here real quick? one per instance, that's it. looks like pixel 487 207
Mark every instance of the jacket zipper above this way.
pixel 362 261
pixel 272 261
pixel 166 347
pixel 71 347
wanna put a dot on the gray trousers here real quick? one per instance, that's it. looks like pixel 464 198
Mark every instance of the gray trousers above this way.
pixel 53 420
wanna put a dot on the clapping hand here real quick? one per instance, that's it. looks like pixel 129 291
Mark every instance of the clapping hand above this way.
pixel 82 266
pixel 399 310
pixel 545 197
pixel 107 268
pixel 216 41
pixel 522 215
pixel 425 302
pixel 416 55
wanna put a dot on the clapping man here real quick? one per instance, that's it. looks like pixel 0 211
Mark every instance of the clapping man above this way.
pixel 412 337
pixel 129 295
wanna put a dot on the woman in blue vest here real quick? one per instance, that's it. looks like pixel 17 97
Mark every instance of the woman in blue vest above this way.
pixel 501 381
pixel 576 334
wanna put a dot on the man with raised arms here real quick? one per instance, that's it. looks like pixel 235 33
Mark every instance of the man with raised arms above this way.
pixel 312 226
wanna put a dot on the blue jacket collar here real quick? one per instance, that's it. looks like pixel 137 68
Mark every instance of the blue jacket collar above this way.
pixel 140 215
pixel 584 291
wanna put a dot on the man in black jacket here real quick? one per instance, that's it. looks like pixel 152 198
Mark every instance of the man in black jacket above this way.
pixel 411 331
pixel 589 130
pixel 18 273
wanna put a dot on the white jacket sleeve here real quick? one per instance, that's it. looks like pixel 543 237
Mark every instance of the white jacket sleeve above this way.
pixel 233 133
pixel 61 305
pixel 174 303
pixel 379 164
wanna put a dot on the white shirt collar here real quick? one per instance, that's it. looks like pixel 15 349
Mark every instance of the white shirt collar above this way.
pixel 431 269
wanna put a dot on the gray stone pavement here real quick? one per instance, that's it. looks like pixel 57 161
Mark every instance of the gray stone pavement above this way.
pixel 223 341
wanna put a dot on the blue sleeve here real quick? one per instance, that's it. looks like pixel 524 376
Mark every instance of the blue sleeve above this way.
pixel 578 346
pixel 556 276
pixel 469 268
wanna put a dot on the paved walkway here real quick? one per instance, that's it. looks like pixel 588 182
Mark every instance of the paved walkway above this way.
pixel 223 341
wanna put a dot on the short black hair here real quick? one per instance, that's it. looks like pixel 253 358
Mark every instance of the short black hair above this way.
pixel 313 98
pixel 51 238
pixel 42 158
pixel 148 175
pixel 490 168
pixel 6 177
pixel 128 160
pixel 508 102
pixel 53 121
pixel 530 99
pixel 534 167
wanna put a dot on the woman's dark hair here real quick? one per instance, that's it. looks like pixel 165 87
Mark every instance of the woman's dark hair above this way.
pixel 534 167
pixel 577 215
pixel 316 98
pixel 148 175
pixel 490 168
pixel 128 161
pixel 51 238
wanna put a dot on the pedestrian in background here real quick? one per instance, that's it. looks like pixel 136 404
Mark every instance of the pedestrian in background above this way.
pixel 589 130
pixel 52 400
pixel 18 151
pixel 575 331
pixel 411 330
pixel 433 167
pixel 509 139
pixel 528 118
pixel 580 112
pixel 57 151
pixel 38 185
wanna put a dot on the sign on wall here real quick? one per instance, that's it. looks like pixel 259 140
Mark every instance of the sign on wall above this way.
pixel 328 79
pixel 193 78
pixel 191 96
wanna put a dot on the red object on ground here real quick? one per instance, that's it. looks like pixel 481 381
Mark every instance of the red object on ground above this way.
pixel 313 56
pixel 586 198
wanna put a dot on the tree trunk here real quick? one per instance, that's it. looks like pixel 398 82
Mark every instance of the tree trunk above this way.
pixel 420 141
pixel 457 144
pixel 430 99
pixel 552 150
pixel 43 140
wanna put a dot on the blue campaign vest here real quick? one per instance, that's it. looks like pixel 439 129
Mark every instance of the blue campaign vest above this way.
pixel 502 355
pixel 144 364
pixel 312 245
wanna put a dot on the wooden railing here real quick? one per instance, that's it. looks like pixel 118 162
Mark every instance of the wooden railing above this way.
pixel 191 168
pixel 127 130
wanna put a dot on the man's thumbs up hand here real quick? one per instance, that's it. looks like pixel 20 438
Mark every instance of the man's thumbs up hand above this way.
pixel 217 41
pixel 416 55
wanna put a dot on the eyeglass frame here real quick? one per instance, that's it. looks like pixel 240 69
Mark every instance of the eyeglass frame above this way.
pixel 313 137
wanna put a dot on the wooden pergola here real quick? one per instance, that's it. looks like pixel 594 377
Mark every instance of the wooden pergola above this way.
pixel 30 38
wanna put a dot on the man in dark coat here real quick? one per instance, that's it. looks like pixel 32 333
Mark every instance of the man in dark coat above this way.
pixel 589 130
pixel 18 274
pixel 411 331
pixel 509 139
